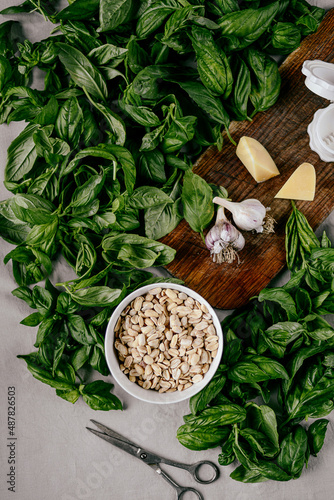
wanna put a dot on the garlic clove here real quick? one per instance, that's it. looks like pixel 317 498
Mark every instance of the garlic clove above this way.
pixel 248 215
pixel 224 240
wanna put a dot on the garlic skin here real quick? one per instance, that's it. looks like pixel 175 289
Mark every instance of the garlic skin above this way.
pixel 224 240
pixel 248 215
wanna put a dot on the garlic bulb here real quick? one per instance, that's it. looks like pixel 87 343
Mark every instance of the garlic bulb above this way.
pixel 248 215
pixel 224 240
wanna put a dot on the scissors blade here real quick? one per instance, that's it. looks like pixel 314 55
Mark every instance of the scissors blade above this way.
pixel 124 444
pixel 116 439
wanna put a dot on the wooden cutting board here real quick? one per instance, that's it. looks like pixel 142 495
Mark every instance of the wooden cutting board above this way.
pixel 283 132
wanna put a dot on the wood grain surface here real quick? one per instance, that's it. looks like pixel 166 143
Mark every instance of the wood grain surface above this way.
pixel 283 131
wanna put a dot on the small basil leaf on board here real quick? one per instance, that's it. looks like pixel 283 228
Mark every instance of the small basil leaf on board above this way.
pixel 197 201
pixel 82 71
pixel 316 435
pixel 21 154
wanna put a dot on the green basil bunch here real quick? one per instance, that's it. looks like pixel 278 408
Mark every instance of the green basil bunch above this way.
pixel 133 92
pixel 279 352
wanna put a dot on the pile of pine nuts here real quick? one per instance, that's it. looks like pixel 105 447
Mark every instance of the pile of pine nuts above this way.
pixel 165 340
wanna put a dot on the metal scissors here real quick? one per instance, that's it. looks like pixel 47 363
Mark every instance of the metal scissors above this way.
pixel 154 461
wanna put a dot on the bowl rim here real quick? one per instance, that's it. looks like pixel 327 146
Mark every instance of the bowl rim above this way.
pixel 152 396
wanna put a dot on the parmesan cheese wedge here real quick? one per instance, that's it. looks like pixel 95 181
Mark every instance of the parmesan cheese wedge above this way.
pixel 300 185
pixel 256 159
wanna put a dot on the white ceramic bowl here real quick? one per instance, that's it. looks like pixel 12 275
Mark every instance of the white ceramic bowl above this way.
pixel 151 395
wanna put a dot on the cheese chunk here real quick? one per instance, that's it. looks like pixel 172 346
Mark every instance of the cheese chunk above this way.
pixel 256 159
pixel 300 185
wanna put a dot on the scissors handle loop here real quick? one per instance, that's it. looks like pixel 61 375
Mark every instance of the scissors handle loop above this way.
pixel 180 490
pixel 183 491
pixel 195 469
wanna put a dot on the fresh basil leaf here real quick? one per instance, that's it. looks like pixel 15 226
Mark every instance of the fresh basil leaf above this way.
pixel 69 124
pixel 266 80
pixel 247 25
pixel 212 63
pixel 197 201
pixel 293 452
pixel 78 330
pixel 80 357
pixel 43 300
pixel 98 296
pixel 78 10
pixel 153 17
pixel 107 52
pixel 113 13
pixel 217 415
pixel 161 220
pixel 21 154
pixel 257 369
pixel 13 232
pixel 82 71
pixel 201 438
pixel 44 375
pixel 147 196
pixel 98 396
pixel 113 244
pixel 316 435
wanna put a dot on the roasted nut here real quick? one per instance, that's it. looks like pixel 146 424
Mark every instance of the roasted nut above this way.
pixel 165 340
